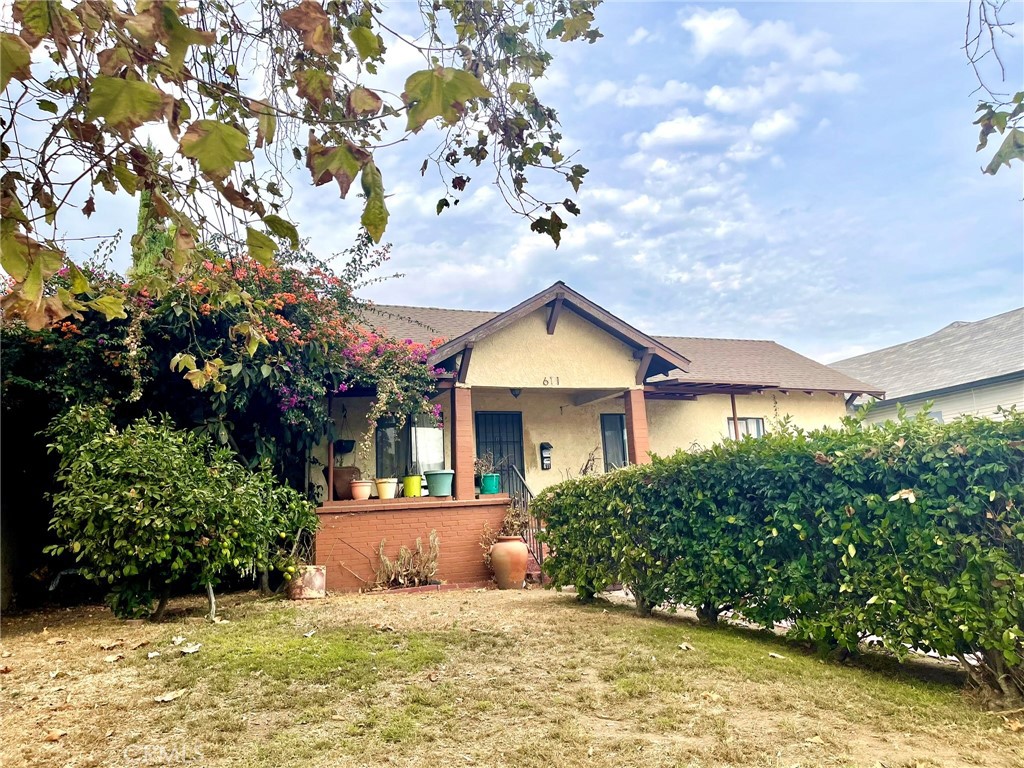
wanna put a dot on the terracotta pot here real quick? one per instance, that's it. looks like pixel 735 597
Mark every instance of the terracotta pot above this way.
pixel 308 582
pixel 361 489
pixel 509 557
pixel 343 477
pixel 387 487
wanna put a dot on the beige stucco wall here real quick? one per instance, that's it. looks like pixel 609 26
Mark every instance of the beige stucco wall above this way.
pixel 577 354
pixel 691 424
pixel 549 417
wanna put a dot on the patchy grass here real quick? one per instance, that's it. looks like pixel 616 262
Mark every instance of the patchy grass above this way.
pixel 526 679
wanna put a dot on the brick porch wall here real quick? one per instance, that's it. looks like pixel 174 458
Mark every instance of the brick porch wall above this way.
pixel 350 533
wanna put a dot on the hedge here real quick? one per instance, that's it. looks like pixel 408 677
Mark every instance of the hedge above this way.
pixel 908 534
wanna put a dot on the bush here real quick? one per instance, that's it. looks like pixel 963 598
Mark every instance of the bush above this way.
pixel 909 533
pixel 148 506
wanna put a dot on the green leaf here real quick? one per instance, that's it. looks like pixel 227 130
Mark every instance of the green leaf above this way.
pixel 180 37
pixel 112 307
pixel 14 256
pixel 266 122
pixel 261 247
pixel 15 59
pixel 124 104
pixel 363 101
pixel 440 92
pixel 79 282
pixel 315 86
pixel 339 163
pixel 375 213
pixel 366 42
pixel 1012 148
pixel 215 146
pixel 282 228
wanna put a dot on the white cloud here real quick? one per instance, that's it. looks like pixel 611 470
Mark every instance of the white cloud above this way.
pixel 725 31
pixel 830 81
pixel 641 205
pixel 777 124
pixel 682 129
pixel 744 151
pixel 640 94
pixel 639 35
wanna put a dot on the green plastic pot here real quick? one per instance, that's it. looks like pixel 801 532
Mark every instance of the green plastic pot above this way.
pixel 439 481
pixel 490 484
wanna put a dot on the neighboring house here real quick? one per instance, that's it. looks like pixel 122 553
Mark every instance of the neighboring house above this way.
pixel 560 370
pixel 965 368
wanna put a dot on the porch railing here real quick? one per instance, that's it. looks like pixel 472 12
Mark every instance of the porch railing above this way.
pixel 520 497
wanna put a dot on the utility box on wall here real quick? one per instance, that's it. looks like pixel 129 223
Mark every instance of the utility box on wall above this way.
pixel 545 455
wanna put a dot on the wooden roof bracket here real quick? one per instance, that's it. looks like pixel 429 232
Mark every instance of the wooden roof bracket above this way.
pixel 467 354
pixel 556 310
pixel 645 364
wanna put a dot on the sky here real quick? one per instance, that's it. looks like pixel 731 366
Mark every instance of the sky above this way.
pixel 803 172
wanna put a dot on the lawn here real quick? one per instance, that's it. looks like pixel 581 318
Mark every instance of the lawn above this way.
pixel 529 679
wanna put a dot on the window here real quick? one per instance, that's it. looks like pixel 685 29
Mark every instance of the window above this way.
pixel 416 444
pixel 748 426
pixel 613 438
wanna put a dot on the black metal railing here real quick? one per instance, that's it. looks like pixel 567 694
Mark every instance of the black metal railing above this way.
pixel 520 497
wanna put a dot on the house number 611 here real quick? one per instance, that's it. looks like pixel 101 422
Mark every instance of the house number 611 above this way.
pixel 550 381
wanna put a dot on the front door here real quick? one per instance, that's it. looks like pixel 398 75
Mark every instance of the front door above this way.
pixel 500 433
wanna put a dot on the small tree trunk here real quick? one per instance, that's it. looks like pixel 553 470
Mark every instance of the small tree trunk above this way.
pixel 643 605
pixel 161 606
pixel 212 600
pixel 264 582
pixel 707 614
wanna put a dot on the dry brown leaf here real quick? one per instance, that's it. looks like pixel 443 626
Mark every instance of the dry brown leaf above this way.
pixel 114 657
pixel 776 656
pixel 170 695
pixel 6 655
pixel 685 647
pixel 139 644
pixel 57 641
pixel 1014 725
pixel 191 648
pixel 814 740
pixel 55 735
pixel 111 645
pixel 152 654
pixel 4 669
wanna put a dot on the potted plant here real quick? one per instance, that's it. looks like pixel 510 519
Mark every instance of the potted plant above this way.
pixel 361 489
pixel 484 468
pixel 412 482
pixel 387 487
pixel 505 552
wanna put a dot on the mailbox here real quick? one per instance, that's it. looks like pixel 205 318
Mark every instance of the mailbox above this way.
pixel 545 455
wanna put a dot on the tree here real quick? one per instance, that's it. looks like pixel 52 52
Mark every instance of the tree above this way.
pixel 227 78
pixel 1000 112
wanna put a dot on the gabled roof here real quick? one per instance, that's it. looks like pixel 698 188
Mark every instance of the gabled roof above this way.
pixel 961 353
pixel 743 364
pixel 561 296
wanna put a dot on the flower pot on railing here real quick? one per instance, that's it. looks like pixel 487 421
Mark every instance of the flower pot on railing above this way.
pixel 490 484
pixel 439 481
pixel 387 487
pixel 412 486
pixel 361 489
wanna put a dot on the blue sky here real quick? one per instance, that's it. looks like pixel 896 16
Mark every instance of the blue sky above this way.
pixel 795 171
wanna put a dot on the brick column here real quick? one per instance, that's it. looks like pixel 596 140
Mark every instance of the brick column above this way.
pixel 463 445
pixel 638 443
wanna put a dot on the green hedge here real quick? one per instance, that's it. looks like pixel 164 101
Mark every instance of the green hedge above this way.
pixel 910 533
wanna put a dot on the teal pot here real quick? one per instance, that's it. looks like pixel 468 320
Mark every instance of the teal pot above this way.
pixel 490 484
pixel 439 481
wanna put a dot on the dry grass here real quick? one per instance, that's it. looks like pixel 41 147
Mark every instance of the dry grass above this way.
pixel 526 679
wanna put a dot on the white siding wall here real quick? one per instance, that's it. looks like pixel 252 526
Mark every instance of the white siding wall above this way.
pixel 977 401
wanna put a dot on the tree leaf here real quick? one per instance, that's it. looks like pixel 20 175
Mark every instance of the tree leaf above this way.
pixel 315 86
pixel 440 92
pixel 261 247
pixel 309 19
pixel 282 228
pixel 1012 148
pixel 79 282
pixel 215 146
pixel 180 37
pixel 363 101
pixel 266 122
pixel 124 104
pixel 111 306
pixel 366 42
pixel 15 59
pixel 339 163
pixel 375 213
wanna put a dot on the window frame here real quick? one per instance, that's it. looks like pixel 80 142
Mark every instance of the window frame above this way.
pixel 744 423
pixel 604 444
pixel 404 444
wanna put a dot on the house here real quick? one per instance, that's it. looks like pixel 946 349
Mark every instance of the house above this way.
pixel 549 387
pixel 964 368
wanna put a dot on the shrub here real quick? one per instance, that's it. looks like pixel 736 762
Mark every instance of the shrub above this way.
pixel 910 533
pixel 148 506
